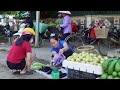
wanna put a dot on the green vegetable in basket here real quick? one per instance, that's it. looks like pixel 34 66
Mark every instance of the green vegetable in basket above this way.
pixel 110 77
pixel 37 65
pixel 114 74
pixel 116 78
pixel 119 74
pixel 104 76
pixel 111 66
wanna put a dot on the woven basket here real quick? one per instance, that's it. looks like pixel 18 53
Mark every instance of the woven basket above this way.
pixel 101 33
pixel 87 48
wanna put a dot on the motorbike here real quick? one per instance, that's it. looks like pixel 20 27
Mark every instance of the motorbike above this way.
pixel 19 33
pixel 53 30
pixel 5 30
pixel 112 42
pixel 115 35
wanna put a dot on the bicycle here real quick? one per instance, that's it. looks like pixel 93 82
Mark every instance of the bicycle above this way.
pixel 74 40
pixel 83 38
pixel 103 44
pixel 80 38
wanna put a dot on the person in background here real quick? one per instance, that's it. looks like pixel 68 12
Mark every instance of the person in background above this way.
pixel 59 20
pixel 7 26
pixel 6 30
pixel 15 24
pixel 74 26
pixel 20 56
pixel 66 25
pixel 28 20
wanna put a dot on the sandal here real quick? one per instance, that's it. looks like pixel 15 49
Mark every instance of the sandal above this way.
pixel 45 69
pixel 49 72
pixel 16 72
pixel 27 73
pixel 63 75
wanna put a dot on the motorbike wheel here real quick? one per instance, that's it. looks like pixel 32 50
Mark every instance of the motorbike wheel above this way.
pixel 74 41
pixel 106 45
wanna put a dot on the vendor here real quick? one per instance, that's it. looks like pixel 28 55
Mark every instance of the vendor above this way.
pixel 66 25
pixel 60 46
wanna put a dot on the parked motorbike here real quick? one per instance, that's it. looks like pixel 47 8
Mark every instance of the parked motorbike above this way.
pixel 7 32
pixel 115 35
pixel 19 33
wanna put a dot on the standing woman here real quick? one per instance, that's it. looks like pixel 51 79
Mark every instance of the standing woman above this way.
pixel 67 29
pixel 20 56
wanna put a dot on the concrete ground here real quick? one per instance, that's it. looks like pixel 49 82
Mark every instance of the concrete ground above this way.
pixel 43 53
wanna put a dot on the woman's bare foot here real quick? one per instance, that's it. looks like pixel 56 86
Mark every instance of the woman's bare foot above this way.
pixel 23 71
pixel 27 73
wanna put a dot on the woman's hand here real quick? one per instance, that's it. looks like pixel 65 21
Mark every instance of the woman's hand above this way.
pixel 51 63
pixel 61 51
pixel 57 26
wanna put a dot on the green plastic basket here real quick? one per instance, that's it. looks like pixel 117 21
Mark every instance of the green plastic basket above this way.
pixel 55 74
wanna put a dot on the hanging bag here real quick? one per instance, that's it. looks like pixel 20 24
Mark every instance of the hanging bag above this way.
pixel 58 59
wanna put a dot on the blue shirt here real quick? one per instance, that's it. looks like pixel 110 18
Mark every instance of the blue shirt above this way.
pixel 60 46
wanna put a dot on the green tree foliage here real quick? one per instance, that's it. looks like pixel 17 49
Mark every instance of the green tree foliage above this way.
pixel 8 12
pixel 44 14
pixel 48 14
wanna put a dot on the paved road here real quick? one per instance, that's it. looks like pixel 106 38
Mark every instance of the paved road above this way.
pixel 5 73
pixel 42 53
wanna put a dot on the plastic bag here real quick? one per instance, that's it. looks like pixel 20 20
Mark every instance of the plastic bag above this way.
pixel 52 24
pixel 42 27
pixel 59 21
pixel 58 59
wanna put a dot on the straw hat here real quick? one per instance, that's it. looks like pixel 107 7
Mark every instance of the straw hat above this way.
pixel 66 12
